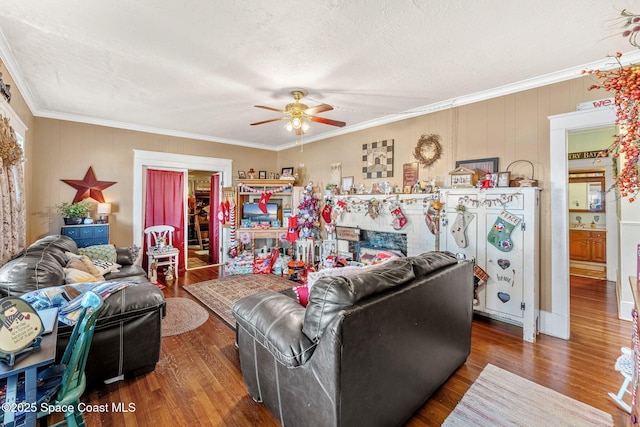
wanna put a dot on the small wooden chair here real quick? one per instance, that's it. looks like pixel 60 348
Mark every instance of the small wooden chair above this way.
pixel 624 365
pixel 160 247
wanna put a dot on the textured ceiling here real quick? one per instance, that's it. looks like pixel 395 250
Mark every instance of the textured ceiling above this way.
pixel 196 68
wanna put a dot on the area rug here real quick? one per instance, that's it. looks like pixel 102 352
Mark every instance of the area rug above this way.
pixel 500 398
pixel 183 315
pixel 220 294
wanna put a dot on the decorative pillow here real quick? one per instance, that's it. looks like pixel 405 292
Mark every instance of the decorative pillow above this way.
pixel 105 252
pixel 341 271
pixel 82 262
pixel 73 275
pixel 302 294
pixel 105 267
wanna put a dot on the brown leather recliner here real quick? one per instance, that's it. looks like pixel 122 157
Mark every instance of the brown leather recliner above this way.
pixel 368 349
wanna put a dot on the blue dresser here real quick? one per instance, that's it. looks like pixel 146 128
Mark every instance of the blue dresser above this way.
pixel 87 234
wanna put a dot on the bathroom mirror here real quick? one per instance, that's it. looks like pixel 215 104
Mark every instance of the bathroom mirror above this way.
pixel 586 191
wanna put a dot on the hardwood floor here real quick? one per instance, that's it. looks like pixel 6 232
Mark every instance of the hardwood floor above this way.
pixel 198 380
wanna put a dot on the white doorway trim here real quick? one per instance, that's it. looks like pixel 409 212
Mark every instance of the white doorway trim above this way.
pixel 556 322
pixel 182 162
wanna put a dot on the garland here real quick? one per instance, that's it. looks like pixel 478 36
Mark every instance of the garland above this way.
pixel 359 205
pixel 432 143
pixel 248 189
pixel 503 199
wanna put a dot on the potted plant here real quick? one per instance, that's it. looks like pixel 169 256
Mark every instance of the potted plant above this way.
pixel 74 213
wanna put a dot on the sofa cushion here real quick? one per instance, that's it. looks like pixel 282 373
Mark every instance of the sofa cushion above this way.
pixel 128 272
pixel 128 255
pixel 330 295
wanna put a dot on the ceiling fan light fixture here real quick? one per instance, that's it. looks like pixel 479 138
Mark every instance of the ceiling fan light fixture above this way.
pixel 298 114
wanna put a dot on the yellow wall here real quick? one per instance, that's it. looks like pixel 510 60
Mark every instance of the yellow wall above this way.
pixel 65 150
pixel 511 127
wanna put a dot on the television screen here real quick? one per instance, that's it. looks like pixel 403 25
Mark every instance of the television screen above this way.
pixel 252 212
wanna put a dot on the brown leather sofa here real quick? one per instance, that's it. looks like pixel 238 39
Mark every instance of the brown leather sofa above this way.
pixel 126 341
pixel 368 350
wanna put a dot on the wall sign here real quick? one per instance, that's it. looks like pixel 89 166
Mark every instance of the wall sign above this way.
pixel 588 155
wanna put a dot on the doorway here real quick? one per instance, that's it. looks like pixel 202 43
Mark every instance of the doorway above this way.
pixel 180 162
pixel 588 223
pixel 557 321
pixel 203 249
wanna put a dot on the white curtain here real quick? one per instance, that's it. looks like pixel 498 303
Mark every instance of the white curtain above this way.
pixel 12 202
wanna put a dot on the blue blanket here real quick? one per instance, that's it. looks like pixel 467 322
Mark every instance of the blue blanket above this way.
pixel 67 298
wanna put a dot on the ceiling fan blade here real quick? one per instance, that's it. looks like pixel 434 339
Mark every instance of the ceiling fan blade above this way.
pixel 318 109
pixel 268 121
pixel 270 108
pixel 326 121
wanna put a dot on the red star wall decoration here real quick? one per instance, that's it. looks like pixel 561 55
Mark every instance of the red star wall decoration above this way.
pixel 89 186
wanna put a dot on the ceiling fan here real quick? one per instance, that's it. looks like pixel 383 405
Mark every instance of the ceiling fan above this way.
pixel 298 114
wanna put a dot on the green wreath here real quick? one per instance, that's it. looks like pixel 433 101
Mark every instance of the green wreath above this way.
pixel 428 150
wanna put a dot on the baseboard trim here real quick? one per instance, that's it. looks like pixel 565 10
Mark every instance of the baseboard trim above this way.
pixel 554 324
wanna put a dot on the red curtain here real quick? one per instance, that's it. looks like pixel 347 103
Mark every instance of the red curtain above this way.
pixel 165 205
pixel 214 224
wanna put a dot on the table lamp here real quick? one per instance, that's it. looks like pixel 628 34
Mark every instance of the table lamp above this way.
pixel 104 209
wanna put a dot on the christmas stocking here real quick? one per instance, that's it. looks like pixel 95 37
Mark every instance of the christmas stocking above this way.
pixel 292 230
pixel 399 218
pixel 221 213
pixel 460 227
pixel 500 234
pixel 430 220
pixel 264 198
pixel 326 213
pixel 225 210
pixel 337 210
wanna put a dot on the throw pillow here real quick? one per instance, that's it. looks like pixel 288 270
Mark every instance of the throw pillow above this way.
pixel 302 294
pixel 73 275
pixel 105 267
pixel 82 262
pixel 314 276
pixel 105 252
pixel 368 255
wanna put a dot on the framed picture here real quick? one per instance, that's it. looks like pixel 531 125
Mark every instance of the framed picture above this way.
pixel 242 175
pixel 377 159
pixel 409 174
pixel 481 166
pixel 347 182
pixel 262 174
pixel 287 172
pixel 503 179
